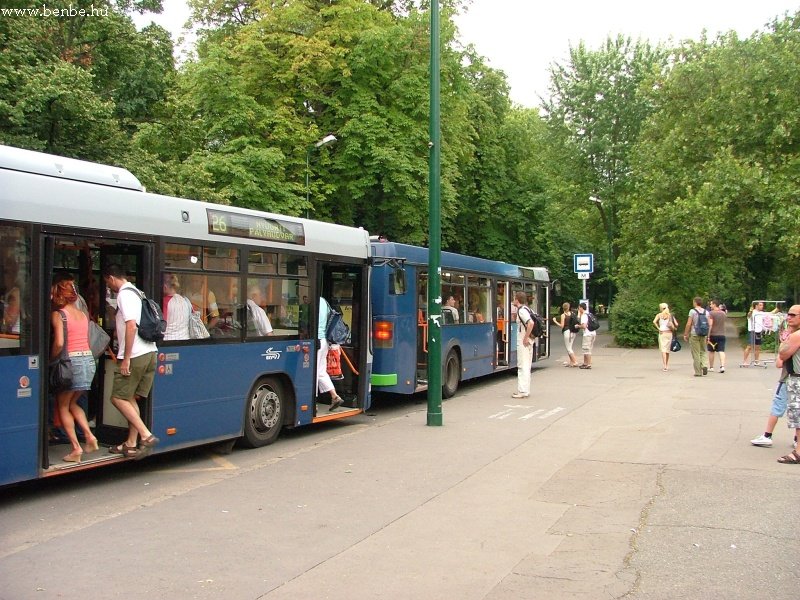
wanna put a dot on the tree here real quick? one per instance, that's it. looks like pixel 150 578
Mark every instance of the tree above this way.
pixel 598 104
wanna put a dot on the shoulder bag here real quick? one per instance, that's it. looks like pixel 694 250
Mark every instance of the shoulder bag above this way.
pixel 675 346
pixel 98 339
pixel 60 370
pixel 197 330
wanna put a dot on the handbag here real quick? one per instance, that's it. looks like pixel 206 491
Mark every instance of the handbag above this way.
pixel 98 339
pixel 60 370
pixel 197 329
pixel 675 346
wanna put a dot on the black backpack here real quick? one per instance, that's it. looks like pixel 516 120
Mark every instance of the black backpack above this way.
pixel 152 324
pixel 539 324
pixel 592 324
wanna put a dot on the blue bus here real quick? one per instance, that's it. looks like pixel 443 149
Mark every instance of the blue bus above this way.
pixel 59 215
pixel 479 333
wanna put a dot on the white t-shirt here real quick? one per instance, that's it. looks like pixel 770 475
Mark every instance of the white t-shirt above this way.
pixel 129 308
pixel 585 325
pixel 260 318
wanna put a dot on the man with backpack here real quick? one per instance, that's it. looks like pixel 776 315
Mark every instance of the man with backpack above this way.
pixel 525 345
pixel 136 365
pixel 589 325
pixel 698 324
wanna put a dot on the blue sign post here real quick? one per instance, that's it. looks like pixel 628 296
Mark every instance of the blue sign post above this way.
pixel 583 265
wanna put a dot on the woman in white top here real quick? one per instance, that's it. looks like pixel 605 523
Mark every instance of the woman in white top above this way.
pixel 666 323
pixel 177 310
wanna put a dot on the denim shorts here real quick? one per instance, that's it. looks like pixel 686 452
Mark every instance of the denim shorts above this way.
pixel 83 368
pixel 779 400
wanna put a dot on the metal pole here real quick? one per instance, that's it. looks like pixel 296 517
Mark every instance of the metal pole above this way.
pixel 435 235
pixel 308 168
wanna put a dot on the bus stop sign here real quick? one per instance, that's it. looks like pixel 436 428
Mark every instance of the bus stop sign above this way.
pixel 583 263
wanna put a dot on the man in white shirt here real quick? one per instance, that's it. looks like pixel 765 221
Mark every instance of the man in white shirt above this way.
pixel 136 365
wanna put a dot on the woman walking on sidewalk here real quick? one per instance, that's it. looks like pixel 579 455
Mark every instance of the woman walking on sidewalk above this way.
pixel 666 324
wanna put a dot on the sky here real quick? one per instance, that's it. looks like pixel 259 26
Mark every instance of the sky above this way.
pixel 524 37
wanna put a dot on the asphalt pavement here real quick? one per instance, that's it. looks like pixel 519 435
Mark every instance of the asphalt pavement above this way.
pixel 622 481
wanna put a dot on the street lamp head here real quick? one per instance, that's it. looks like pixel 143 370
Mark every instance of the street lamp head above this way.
pixel 326 141
pixel 595 199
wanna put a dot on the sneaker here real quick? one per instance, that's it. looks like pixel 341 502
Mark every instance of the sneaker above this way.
pixel 763 441
pixel 705 371
pixel 710 369
pixel 518 395
pixel 722 369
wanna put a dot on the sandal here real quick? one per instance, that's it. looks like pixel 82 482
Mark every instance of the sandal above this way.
pixel 790 459
pixel 146 447
pixel 125 450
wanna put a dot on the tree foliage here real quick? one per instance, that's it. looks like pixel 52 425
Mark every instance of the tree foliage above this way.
pixel 690 151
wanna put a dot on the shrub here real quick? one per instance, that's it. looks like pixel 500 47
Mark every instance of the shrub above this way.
pixel 632 318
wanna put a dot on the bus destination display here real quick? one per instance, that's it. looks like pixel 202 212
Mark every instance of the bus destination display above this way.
pixel 222 222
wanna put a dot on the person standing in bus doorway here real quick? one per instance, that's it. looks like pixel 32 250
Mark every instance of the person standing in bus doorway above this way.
pixel 524 345
pixel 65 302
pixel 136 366
pixel 324 383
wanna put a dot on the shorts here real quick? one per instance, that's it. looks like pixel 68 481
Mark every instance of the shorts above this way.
pixel 716 343
pixel 83 368
pixel 755 337
pixel 588 343
pixel 139 382
pixel 793 406
pixel 779 400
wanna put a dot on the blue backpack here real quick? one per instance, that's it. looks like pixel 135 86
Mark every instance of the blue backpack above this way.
pixel 336 330
pixel 701 325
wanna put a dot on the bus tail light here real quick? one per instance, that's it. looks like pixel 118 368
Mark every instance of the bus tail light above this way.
pixel 383 334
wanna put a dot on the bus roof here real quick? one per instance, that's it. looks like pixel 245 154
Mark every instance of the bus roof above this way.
pixel 419 256
pixel 42 188
pixel 28 161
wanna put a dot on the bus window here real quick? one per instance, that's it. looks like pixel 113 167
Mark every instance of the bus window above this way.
pixel 282 300
pixel 262 263
pixel 398 282
pixel 14 292
pixel 182 256
pixel 479 294
pixel 225 290
pixel 221 259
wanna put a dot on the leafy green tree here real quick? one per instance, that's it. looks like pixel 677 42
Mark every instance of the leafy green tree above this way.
pixel 598 102
pixel 715 172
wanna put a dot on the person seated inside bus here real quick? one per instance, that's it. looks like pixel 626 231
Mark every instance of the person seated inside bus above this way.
pixel 177 309
pixel 205 303
pixel 449 311
pixel 258 323
pixel 11 312
pixel 476 316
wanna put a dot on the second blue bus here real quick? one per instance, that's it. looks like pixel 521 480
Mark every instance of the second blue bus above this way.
pixel 479 332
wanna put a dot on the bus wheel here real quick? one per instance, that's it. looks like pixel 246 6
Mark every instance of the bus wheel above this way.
pixel 264 417
pixel 452 374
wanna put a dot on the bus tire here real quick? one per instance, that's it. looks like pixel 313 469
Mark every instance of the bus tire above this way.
pixel 264 413
pixel 452 374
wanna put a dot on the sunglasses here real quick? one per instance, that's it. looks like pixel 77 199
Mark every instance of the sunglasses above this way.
pixel 791 314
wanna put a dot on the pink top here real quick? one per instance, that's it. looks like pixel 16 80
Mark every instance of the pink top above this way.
pixel 77 334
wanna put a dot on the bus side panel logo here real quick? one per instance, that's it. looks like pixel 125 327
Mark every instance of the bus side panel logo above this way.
pixel 271 354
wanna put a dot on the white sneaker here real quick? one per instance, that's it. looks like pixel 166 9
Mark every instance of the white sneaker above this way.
pixel 710 369
pixel 722 369
pixel 762 440
pixel 518 395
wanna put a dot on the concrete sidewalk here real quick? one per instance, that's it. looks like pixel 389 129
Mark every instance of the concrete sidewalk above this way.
pixel 620 481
